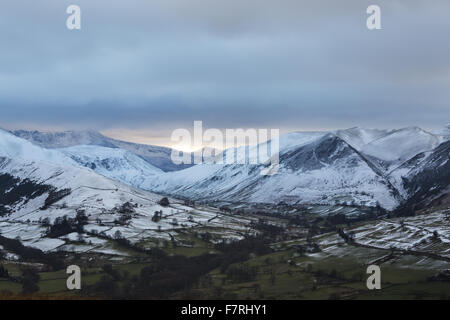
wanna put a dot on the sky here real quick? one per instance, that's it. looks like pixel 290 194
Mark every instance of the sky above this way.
pixel 138 69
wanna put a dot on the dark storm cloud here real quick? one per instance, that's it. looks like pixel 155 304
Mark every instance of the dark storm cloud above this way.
pixel 164 63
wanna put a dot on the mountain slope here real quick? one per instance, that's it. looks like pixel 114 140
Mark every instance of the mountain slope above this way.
pixel 425 176
pixel 391 150
pixel 359 137
pixel 23 161
pixel 64 139
pixel 353 166
pixel 157 156
pixel 117 164
pixel 323 170
pixel 17 148
pixel 39 187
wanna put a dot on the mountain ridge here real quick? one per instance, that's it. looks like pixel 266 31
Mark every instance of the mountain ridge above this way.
pixel 353 166
pixel 155 155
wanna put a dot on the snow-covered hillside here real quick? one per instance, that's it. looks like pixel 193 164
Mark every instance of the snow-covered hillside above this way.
pixel 155 155
pixel 393 149
pixel 40 186
pixel 114 163
pixel 360 137
pixel 64 139
pixel 353 166
pixel 319 169
pixel 25 161
pixel 111 208
pixel 17 148
pixel 426 175
pixel 443 132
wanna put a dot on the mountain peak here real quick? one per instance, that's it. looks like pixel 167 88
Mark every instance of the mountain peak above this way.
pixel 64 139
pixel 358 137
pixel 12 146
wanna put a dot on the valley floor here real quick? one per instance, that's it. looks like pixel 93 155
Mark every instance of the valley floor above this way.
pixel 208 253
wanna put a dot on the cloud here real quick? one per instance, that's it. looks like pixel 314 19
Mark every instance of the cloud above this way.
pixel 162 64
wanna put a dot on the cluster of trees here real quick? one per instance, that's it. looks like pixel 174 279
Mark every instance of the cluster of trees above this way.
pixel 241 273
pixel 269 229
pixel 258 245
pixel 157 216
pixel 121 240
pixel 32 254
pixel 334 219
pixel 126 211
pixel 172 274
pixel 64 225
pixel 123 219
pixel 4 273
pixel 309 247
pixel 30 279
pixel 348 237
pixel 13 190
pixel 442 276
pixel 127 208
pixel 189 203
pixel 164 202
pixel 167 275
pixel 54 196
pixel 404 210
pixel 4 210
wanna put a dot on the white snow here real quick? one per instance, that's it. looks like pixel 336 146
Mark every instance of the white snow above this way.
pixel 401 145
pixel 114 163
pixel 16 148
pixel 46 244
pixel 345 179
pixel 359 137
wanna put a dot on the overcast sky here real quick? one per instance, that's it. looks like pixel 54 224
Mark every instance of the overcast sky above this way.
pixel 139 69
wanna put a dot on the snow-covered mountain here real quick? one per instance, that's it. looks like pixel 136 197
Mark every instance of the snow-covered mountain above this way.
pixel 16 148
pixel 360 137
pixel 38 186
pixel 51 171
pixel 319 168
pixel 114 163
pixel 425 176
pixel 353 166
pixel 64 139
pixel 393 149
pixel 388 149
pixel 157 156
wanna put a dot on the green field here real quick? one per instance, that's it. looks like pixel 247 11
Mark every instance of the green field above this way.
pixel 337 271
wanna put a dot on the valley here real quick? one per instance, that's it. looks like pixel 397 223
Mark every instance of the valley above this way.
pixel 278 257
pixel 216 231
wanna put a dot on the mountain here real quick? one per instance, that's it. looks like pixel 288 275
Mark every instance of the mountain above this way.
pixel 314 168
pixel 360 137
pixel 157 156
pixel 391 150
pixel 16 148
pixel 114 163
pixel 64 139
pixel 38 184
pixel 426 176
pixel 23 162
pixel 355 166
